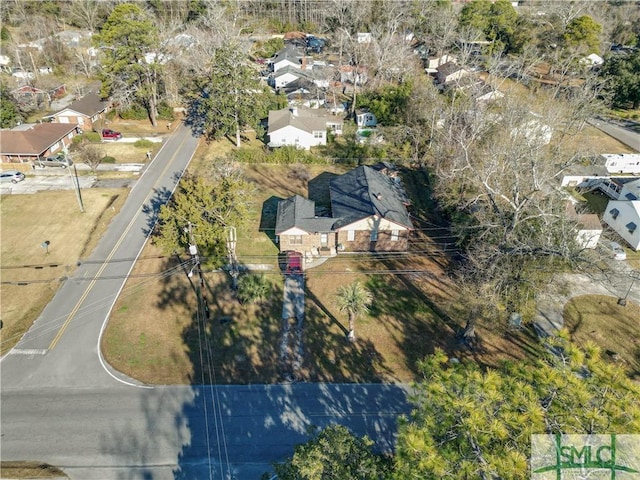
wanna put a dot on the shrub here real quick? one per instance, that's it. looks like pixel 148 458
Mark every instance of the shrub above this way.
pixel 253 288
pixel 108 159
pixel 135 112
pixel 144 143
pixel 165 112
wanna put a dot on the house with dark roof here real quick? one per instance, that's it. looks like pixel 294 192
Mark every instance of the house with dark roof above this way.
pixel 27 143
pixel 301 127
pixel 368 213
pixel 87 112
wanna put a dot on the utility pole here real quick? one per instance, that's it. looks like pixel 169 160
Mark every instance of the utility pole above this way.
pixel 193 251
pixel 233 260
pixel 76 183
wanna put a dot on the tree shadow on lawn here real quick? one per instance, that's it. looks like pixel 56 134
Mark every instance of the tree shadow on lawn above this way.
pixel 331 357
pixel 268 217
pixel 237 344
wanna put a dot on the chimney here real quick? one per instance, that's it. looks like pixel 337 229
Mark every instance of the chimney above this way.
pixel 304 63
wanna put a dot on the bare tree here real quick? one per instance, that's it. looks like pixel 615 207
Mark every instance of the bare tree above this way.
pixel 90 154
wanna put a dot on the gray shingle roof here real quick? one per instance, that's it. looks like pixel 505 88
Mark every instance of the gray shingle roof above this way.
pixel 364 192
pixel 299 212
pixel 88 105
pixel 305 119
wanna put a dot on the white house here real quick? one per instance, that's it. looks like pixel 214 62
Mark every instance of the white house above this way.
pixel 624 217
pixel 589 227
pixel 434 62
pixel 364 37
pixel 450 72
pixel 300 127
pixel 592 60
pixel 622 162
pixel 366 119
pixel 630 190
pixel 289 56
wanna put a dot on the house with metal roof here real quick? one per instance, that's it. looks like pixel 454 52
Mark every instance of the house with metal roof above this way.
pixel 368 213
pixel 27 143
pixel 624 217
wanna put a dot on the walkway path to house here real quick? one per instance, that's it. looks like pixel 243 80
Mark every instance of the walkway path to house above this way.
pixel 291 353
pixel 625 283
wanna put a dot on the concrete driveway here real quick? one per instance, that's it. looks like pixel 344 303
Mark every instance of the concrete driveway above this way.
pixel 64 179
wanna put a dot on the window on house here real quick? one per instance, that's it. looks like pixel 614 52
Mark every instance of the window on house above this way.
pixel 394 235
pixel 351 235
pixel 374 235
pixel 631 196
pixel 318 134
pixel 631 227
pixel 614 213
pixel 295 239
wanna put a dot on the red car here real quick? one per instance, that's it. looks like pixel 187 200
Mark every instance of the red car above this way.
pixel 111 134
pixel 294 262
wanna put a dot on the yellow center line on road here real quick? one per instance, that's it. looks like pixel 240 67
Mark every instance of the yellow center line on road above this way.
pixel 75 309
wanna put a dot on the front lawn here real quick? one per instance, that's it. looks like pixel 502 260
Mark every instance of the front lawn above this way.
pixel 154 334
pixel 612 327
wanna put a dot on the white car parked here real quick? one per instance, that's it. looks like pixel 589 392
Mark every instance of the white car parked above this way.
pixel 617 251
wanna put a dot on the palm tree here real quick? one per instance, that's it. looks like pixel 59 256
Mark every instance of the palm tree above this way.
pixel 355 300
pixel 253 288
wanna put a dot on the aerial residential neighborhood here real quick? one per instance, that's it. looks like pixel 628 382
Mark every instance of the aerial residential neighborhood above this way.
pixel 343 239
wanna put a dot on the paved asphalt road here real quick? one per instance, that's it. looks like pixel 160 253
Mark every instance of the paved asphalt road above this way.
pixel 621 133
pixel 177 432
pixel 59 404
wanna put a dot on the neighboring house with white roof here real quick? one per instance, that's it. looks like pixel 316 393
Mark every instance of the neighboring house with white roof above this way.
pixel 592 60
pixel 622 162
pixel 630 190
pixel 623 216
pixel 301 127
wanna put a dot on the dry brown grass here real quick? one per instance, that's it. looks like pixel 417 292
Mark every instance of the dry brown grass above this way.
pixel 29 220
pixel 153 333
pixel 599 319
pixel 30 470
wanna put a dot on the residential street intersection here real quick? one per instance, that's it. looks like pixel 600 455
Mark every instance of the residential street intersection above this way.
pixel 62 404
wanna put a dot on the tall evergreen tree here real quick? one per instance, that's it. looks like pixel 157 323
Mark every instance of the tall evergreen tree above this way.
pixel 131 62
pixel 469 423
pixel 229 98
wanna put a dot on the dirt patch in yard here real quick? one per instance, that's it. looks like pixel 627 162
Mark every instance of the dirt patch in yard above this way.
pixel 31 273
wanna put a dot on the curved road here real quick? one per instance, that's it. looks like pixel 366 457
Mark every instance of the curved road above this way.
pixel 61 406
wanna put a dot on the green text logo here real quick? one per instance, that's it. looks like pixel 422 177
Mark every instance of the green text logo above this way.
pixel 568 457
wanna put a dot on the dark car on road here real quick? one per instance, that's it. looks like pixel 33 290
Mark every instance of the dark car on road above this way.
pixel 111 134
